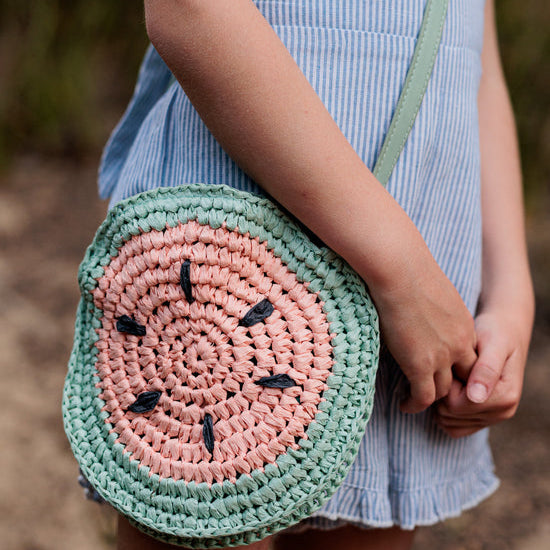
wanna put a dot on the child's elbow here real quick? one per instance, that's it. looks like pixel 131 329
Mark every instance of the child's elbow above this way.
pixel 167 20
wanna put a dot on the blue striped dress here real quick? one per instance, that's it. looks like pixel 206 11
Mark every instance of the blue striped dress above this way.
pixel 355 54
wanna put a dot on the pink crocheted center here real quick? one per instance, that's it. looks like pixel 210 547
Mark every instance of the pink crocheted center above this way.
pixel 201 360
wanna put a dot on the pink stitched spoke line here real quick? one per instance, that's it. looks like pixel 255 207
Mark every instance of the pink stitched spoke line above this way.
pixel 199 358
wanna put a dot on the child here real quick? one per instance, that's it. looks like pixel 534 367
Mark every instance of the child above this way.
pixel 299 95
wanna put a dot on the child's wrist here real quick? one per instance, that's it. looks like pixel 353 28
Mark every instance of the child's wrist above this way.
pixel 513 310
pixel 516 299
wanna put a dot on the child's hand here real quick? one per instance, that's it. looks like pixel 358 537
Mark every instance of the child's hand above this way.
pixel 429 331
pixel 493 389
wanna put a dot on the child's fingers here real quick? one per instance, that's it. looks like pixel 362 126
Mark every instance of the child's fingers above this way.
pixel 425 391
pixel 422 395
pixel 455 402
pixel 459 426
pixel 463 366
pixel 501 404
pixel 462 422
pixel 487 369
pixel 456 405
pixel 443 380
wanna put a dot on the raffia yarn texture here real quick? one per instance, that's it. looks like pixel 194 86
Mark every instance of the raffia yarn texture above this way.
pixel 223 367
pixel 196 356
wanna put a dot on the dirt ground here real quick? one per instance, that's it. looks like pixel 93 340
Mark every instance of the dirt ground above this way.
pixel 48 214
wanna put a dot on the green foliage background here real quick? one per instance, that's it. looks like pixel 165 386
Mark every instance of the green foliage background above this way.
pixel 65 65
pixel 67 68
pixel 524 35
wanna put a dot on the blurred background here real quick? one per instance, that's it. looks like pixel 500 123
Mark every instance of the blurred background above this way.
pixel 67 69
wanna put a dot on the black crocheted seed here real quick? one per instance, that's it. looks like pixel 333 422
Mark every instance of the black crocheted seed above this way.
pixel 258 313
pixel 185 280
pixel 276 381
pixel 208 433
pixel 130 326
pixel 145 402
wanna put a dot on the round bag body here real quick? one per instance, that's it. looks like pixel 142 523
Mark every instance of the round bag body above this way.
pixel 223 366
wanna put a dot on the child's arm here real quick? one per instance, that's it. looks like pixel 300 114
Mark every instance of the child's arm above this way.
pixel 506 312
pixel 262 110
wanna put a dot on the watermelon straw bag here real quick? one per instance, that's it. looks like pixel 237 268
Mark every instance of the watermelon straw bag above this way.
pixel 224 363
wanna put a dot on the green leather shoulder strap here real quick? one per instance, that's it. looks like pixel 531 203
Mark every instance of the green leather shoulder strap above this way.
pixel 414 88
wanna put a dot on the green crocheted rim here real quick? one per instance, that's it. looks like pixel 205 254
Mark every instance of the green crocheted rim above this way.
pixel 302 480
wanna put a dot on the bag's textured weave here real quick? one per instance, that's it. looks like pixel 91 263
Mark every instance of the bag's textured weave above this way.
pixel 223 367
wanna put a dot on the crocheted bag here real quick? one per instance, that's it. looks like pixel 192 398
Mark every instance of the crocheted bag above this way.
pixel 224 363
pixel 223 368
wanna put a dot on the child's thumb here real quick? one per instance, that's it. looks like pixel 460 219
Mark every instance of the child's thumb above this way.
pixel 486 371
